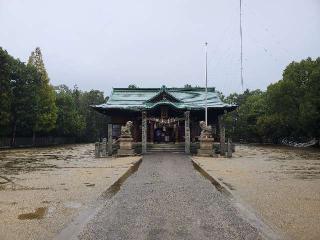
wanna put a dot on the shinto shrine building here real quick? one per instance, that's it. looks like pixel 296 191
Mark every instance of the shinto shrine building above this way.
pixel 164 116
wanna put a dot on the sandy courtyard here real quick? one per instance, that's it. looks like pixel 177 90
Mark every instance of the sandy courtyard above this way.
pixel 280 184
pixel 50 186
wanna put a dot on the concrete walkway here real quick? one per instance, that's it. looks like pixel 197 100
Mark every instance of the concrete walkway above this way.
pixel 168 199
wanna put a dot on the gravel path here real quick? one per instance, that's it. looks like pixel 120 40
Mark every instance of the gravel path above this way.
pixel 168 199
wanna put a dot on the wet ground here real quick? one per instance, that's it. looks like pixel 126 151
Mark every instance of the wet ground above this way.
pixel 281 184
pixel 43 189
pixel 168 199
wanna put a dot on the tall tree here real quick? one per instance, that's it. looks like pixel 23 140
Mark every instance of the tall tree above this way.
pixel 242 124
pixel 46 110
pixel 5 93
pixel 289 109
pixel 293 103
pixel 17 81
pixel 95 122
pixel 70 122
pixel 23 109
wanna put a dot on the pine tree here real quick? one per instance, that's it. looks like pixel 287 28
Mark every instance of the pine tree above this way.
pixel 45 113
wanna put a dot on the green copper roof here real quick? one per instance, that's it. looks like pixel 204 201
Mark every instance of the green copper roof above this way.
pixel 147 98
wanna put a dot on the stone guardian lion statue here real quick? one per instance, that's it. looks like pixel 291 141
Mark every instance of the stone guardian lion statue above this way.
pixel 126 130
pixel 206 131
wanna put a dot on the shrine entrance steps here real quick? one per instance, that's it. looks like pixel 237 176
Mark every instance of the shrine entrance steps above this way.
pixel 166 147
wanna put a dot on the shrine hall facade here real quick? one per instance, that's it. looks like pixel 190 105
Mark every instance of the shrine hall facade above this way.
pixel 164 115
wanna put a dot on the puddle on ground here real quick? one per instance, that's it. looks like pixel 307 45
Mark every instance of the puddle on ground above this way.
pixel 38 214
pixel 24 160
pixel 117 185
pixel 89 184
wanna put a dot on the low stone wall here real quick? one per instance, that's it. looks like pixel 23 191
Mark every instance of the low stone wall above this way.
pixel 138 148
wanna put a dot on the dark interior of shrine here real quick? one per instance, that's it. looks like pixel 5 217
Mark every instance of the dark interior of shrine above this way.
pixel 165 123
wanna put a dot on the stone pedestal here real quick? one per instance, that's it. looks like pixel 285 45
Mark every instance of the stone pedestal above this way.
pixel 229 149
pixel 126 148
pixel 103 147
pixel 109 139
pixel 144 133
pixel 97 149
pixel 222 135
pixel 206 147
pixel 100 149
pixel 187 132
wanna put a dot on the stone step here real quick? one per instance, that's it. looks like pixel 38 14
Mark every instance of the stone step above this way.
pixel 165 147
pixel 172 150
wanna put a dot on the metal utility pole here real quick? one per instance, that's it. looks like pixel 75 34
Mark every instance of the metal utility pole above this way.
pixel 241 50
pixel 206 106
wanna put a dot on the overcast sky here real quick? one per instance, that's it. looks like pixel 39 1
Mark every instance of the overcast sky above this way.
pixel 103 44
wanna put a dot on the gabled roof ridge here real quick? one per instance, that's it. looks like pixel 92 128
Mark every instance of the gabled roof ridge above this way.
pixel 162 90
pixel 150 105
pixel 134 89
pixel 159 89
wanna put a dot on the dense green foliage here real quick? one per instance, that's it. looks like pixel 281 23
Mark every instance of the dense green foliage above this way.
pixel 76 117
pixel 69 122
pixel 27 99
pixel 30 106
pixel 45 112
pixel 6 63
pixel 288 109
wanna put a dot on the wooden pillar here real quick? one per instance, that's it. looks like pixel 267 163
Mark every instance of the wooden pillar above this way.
pixel 177 132
pixel 222 135
pixel 187 132
pixel 135 132
pixel 110 139
pixel 151 132
pixel 144 133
